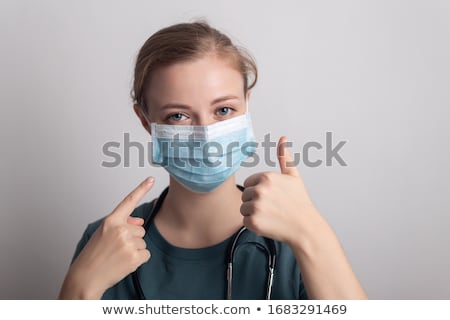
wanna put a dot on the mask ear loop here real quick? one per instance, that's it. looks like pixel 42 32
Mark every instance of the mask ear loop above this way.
pixel 246 108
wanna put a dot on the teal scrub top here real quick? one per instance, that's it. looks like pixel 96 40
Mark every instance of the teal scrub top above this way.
pixel 196 274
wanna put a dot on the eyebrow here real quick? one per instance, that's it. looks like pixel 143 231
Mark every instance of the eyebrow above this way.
pixel 184 106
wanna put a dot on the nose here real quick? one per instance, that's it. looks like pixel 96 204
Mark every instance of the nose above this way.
pixel 204 119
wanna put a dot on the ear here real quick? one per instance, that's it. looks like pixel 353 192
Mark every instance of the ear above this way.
pixel 141 116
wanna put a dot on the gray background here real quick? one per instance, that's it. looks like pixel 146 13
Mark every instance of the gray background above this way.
pixel 375 73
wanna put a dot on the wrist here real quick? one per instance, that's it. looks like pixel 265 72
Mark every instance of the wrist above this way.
pixel 77 287
pixel 310 231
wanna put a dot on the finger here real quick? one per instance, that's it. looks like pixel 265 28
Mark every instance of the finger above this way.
pixel 126 207
pixel 285 158
pixel 144 255
pixel 247 208
pixel 136 231
pixel 135 221
pixel 253 180
pixel 248 194
pixel 139 243
pixel 250 223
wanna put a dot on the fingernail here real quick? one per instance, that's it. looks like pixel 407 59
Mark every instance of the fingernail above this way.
pixel 150 180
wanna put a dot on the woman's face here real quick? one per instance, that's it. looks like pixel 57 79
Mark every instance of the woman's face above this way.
pixel 198 92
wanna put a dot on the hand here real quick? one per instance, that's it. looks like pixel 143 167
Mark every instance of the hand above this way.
pixel 116 249
pixel 277 205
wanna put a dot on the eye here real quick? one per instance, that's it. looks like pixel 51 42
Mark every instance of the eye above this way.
pixel 176 117
pixel 223 111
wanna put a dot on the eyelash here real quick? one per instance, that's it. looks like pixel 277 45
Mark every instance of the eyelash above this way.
pixel 230 109
pixel 170 117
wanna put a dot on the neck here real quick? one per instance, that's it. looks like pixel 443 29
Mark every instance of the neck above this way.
pixel 192 220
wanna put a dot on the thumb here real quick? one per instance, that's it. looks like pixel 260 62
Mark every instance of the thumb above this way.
pixel 287 165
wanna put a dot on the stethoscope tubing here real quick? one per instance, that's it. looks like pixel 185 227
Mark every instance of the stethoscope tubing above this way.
pixel 270 252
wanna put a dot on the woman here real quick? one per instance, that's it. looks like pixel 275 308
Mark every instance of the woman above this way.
pixel 192 83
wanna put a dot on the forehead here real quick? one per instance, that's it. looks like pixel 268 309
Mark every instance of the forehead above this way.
pixel 196 81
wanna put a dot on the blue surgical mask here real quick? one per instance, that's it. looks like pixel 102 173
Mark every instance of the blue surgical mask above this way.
pixel 201 158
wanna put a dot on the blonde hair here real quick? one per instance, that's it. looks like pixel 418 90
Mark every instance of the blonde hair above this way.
pixel 186 42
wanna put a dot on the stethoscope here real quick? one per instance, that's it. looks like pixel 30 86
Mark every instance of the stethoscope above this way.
pixel 270 252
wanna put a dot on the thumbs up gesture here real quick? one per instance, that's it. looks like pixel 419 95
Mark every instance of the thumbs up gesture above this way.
pixel 276 205
pixel 116 249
